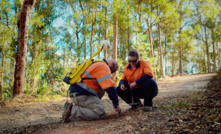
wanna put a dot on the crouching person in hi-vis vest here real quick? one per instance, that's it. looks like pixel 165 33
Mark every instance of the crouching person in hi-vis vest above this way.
pixel 87 94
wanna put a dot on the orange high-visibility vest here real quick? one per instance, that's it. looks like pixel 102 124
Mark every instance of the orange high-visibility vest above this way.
pixel 102 78
pixel 131 75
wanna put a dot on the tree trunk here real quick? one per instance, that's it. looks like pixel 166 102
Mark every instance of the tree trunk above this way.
pixel 128 39
pixel 105 31
pixel 115 38
pixel 214 51
pixel 204 69
pixel 207 50
pixel 139 31
pixel 22 46
pixel 83 31
pixel 64 58
pixel 180 61
pixel 180 31
pixel 52 69
pixel 165 56
pixel 149 25
pixel 99 38
pixel 115 43
pixel 92 30
pixel 121 44
pixel 161 56
pixel 149 32
pixel 85 43
pixel 78 47
pixel 34 54
pixel 172 69
pixel 11 73
pixel 2 75
pixel 154 64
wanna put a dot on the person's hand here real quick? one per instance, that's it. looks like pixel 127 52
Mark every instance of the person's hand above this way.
pixel 122 87
pixel 132 85
pixel 117 109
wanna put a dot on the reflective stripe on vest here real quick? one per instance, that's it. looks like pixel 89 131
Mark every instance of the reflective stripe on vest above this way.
pixel 104 78
pixel 87 88
pixel 89 76
pixel 97 81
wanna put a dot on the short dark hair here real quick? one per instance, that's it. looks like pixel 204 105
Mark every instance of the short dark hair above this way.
pixel 133 53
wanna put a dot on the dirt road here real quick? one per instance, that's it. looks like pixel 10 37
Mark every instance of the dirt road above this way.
pixel 32 114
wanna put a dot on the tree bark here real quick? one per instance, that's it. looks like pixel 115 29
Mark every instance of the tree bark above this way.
pixel 64 58
pixel 83 31
pixel 99 37
pixel 22 46
pixel 34 54
pixel 165 56
pixel 154 64
pixel 52 69
pixel 2 75
pixel 115 43
pixel 207 50
pixel 115 38
pixel 180 31
pixel 159 46
pixel 105 31
pixel 214 51
pixel 149 34
pixel 92 30
pixel 128 39
pixel 172 69
pixel 78 46
pixel 11 73
pixel 180 61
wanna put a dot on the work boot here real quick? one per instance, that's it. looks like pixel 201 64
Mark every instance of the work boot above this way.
pixel 136 106
pixel 154 108
pixel 67 112
pixel 147 108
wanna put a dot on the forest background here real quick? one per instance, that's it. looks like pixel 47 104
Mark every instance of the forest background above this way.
pixel 175 36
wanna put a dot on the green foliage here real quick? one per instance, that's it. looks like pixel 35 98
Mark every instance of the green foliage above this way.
pixel 7 92
pixel 47 97
pixel 219 71
pixel 121 64
pixel 179 104
pixel 60 33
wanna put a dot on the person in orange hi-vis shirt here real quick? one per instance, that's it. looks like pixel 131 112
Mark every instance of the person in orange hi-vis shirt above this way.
pixel 87 94
pixel 137 82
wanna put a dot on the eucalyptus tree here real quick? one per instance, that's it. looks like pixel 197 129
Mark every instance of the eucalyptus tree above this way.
pixel 41 46
pixel 8 22
pixel 22 46
pixel 159 14
pixel 115 16
pixel 184 12
pixel 213 24
pixel 76 25
pixel 124 33
pixel 165 15
pixel 206 12
pixel 5 54
pixel 4 41
pixel 105 28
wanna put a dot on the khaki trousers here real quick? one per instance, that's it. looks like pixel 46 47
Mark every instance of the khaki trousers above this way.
pixel 88 107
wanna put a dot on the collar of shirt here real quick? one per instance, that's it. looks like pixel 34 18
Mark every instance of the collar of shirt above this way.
pixel 105 61
pixel 138 65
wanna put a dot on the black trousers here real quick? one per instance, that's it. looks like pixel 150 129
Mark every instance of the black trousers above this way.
pixel 147 92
